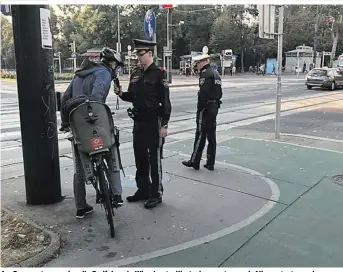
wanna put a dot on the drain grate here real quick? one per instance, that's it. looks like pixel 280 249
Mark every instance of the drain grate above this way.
pixel 338 179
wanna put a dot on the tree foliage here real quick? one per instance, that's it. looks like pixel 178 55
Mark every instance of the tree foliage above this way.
pixel 217 26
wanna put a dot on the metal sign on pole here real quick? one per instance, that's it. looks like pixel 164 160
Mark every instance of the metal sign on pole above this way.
pixel 6 10
pixel 150 28
pixel 150 24
pixel 266 18
pixel 266 31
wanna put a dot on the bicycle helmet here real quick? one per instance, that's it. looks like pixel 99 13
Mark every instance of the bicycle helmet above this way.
pixel 108 54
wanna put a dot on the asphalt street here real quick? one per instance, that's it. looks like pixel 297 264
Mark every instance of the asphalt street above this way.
pixel 253 182
pixel 241 93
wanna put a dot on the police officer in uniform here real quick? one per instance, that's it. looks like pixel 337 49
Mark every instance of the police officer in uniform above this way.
pixel 209 100
pixel 149 93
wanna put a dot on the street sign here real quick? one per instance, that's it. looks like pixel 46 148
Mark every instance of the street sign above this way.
pixel 168 52
pixel 205 50
pixel 233 57
pixel 73 55
pixel 55 54
pixel 129 53
pixel 266 18
pixel 129 47
pixel 150 24
pixel 6 10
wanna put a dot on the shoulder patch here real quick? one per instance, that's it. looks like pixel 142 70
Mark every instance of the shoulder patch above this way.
pixel 201 81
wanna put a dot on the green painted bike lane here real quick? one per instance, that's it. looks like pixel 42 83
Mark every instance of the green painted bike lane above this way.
pixel 303 229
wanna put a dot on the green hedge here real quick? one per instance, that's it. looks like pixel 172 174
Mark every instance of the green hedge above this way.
pixel 12 75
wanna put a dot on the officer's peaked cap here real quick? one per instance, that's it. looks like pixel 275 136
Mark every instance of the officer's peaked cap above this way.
pixel 200 57
pixel 143 44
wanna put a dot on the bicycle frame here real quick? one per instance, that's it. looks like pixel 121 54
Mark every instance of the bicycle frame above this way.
pixel 93 138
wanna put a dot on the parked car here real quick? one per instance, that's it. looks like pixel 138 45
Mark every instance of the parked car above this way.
pixel 327 78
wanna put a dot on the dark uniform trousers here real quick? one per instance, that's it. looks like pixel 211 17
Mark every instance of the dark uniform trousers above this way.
pixel 206 121
pixel 147 142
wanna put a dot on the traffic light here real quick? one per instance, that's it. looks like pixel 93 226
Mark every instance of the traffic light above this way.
pixel 70 47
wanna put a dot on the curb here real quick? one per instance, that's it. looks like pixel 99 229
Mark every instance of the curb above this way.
pixel 45 255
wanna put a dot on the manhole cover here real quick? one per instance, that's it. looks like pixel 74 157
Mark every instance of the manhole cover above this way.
pixel 338 179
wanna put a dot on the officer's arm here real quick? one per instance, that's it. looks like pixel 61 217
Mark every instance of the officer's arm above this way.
pixel 129 95
pixel 165 99
pixel 101 86
pixel 205 90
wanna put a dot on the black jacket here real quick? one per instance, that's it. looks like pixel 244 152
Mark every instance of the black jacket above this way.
pixel 210 86
pixel 149 91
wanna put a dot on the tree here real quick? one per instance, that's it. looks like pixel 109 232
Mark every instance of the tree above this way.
pixel 234 29
pixel 7 44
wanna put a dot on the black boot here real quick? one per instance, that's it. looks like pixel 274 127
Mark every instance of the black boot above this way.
pixel 191 164
pixel 138 196
pixel 153 201
pixel 209 167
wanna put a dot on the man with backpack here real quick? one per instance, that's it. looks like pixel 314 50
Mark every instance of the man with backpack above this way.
pixel 92 82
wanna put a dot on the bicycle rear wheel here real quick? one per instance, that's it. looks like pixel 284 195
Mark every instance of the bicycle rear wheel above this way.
pixel 104 190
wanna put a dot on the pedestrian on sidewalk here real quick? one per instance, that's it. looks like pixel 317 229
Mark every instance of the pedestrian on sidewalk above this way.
pixel 93 82
pixel 209 100
pixel 148 92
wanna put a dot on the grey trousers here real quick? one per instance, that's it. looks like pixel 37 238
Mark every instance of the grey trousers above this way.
pixel 79 180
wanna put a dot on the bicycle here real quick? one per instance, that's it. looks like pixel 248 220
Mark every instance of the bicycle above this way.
pixel 94 136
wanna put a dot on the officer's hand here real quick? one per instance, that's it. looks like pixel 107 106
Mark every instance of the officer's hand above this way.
pixel 164 132
pixel 117 89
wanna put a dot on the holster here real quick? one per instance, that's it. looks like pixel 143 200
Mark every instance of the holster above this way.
pixel 133 113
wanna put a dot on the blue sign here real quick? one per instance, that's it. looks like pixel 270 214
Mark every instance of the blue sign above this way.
pixel 6 10
pixel 150 24
pixel 234 57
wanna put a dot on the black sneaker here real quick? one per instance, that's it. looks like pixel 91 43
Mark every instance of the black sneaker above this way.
pixel 82 212
pixel 191 164
pixel 152 202
pixel 117 201
pixel 209 167
pixel 138 196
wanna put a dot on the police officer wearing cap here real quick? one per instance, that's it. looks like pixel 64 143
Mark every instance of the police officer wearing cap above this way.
pixel 149 93
pixel 209 100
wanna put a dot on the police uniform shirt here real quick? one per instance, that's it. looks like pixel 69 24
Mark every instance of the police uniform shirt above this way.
pixel 210 86
pixel 149 91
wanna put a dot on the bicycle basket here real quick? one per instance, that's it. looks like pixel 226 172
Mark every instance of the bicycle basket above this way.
pixel 92 126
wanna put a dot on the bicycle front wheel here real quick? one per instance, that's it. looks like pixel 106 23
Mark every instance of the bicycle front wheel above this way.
pixel 104 189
